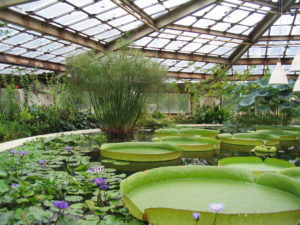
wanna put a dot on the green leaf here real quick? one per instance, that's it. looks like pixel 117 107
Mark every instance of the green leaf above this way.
pixel 3 174
pixel 6 217
pixel 73 198
pixel 247 101
pixel 67 220
pixel 91 205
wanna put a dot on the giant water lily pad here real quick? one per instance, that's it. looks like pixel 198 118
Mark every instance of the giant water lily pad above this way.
pixel 191 144
pixel 169 195
pixel 186 132
pixel 256 164
pixel 287 137
pixel 291 172
pixel 249 139
pixel 140 151
pixel 286 128
pixel 141 166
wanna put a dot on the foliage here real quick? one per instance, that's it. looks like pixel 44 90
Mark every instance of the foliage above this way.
pixel 117 84
pixel 155 120
pixel 258 103
pixel 21 118
pixel 13 130
pixel 216 85
pixel 182 118
pixel 210 114
pixel 64 175
pixel 9 99
pixel 43 119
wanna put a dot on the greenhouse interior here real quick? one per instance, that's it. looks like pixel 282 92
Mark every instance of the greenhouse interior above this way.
pixel 154 112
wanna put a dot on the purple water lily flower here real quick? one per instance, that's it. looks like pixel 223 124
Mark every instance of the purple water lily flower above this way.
pixel 13 152
pixel 196 216
pixel 22 153
pixel 99 181
pixel 68 148
pixel 41 162
pixel 14 186
pixel 61 204
pixel 104 186
pixel 216 207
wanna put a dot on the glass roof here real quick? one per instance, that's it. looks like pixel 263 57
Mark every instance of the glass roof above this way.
pixel 208 32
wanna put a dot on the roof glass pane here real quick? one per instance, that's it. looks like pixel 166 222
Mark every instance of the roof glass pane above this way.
pixel 131 26
pixel 16 51
pixel 32 6
pixel 55 10
pixel 173 3
pixel 122 20
pixel 158 43
pixel 97 29
pixel 80 3
pixel 99 7
pixel 221 26
pixel 204 23
pixel 88 23
pixel 143 3
pixel 238 29
pixel 19 39
pixel 112 14
pixel 280 30
pixel 218 12
pixel 71 18
pixel 236 16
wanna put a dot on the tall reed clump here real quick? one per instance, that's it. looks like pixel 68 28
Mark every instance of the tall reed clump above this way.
pixel 117 84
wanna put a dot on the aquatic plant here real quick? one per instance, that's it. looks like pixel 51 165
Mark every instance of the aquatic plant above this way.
pixel 117 84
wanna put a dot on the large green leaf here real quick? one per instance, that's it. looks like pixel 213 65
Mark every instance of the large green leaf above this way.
pixel 247 100
pixel 170 196
pixel 67 220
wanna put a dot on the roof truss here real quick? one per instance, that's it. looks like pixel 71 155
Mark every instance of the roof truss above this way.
pixel 13 17
pixel 258 31
pixel 8 3
pixel 166 19
pixel 135 11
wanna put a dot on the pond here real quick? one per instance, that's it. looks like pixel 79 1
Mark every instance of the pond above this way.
pixel 35 176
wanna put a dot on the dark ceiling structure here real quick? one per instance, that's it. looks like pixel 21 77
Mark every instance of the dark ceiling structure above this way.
pixel 187 36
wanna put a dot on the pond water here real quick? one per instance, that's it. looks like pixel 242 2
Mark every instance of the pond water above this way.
pixel 290 153
pixel 65 175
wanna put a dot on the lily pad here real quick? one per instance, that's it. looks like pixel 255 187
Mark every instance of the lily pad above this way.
pixel 256 164
pixel 140 151
pixel 73 198
pixel 249 139
pixel 291 172
pixel 169 195
pixel 186 132
pixel 192 144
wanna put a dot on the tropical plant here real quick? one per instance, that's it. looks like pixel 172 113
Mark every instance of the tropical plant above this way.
pixel 117 84
pixel 9 99
pixel 258 102
pixel 210 114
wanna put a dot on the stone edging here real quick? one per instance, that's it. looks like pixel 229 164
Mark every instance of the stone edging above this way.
pixel 15 143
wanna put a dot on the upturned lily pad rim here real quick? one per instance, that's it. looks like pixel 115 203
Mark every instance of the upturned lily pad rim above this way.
pixel 293 172
pixel 284 135
pixel 186 132
pixel 119 151
pixel 252 139
pixel 281 164
pixel 191 143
